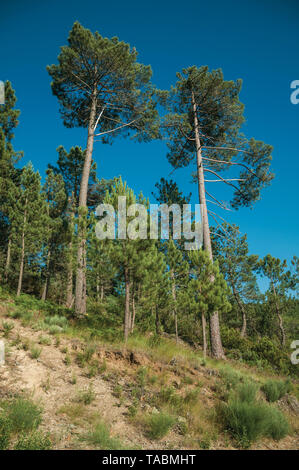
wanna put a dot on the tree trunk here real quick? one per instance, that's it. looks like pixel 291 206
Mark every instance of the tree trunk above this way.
pixel 69 282
pixel 204 335
pixel 22 253
pixel 280 322
pixel 47 281
pixel 80 299
pixel 175 309
pixel 127 305
pixel 243 312
pixel 8 256
pixel 133 313
pixel 69 285
pixel 157 321
pixel 216 344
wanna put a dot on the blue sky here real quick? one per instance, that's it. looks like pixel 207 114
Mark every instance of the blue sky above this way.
pixel 257 41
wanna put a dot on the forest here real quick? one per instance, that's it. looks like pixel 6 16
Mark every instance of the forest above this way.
pixel 124 290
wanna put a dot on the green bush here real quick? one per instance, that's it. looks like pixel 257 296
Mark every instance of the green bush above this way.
pixel 100 437
pixel 7 327
pixel 5 432
pixel 35 352
pixel 278 424
pixel 159 424
pixel 55 329
pixel 247 421
pixel 34 441
pixel 274 390
pixel 247 392
pixel 86 396
pixel 24 415
pixel 45 340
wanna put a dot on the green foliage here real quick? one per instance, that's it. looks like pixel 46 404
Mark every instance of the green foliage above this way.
pixel 24 415
pixel 274 390
pixel 35 440
pixel 5 431
pixel 159 424
pixel 86 396
pixel 100 438
pixel 45 340
pixel 7 327
pixel 35 352
pixel 246 392
pixel 248 421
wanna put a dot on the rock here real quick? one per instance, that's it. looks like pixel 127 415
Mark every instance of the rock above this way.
pixel 289 402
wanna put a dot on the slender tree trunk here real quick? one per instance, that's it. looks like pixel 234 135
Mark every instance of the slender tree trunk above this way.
pixel 243 312
pixel 47 281
pixel 98 288
pixel 157 321
pixel 102 292
pixel 216 344
pixel 80 299
pixel 8 256
pixel 280 322
pixel 69 284
pixel 69 277
pixel 204 335
pixel 175 309
pixel 127 305
pixel 22 253
pixel 133 313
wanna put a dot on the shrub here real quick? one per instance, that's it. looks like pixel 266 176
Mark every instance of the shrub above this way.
pixel 247 421
pixel 35 352
pixel 24 415
pixel 278 425
pixel 45 340
pixel 100 437
pixel 86 396
pixel 55 329
pixel 159 424
pixel 57 321
pixel 5 432
pixel 275 390
pixel 247 392
pixel 34 441
pixel 7 327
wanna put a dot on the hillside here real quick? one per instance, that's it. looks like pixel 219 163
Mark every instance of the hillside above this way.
pixel 94 394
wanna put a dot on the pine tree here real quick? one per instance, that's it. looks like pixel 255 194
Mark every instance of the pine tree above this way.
pixel 55 196
pixel 28 220
pixel 126 253
pixel 9 175
pixel 70 165
pixel 281 280
pixel 204 120
pixel 101 87
pixel 179 273
pixel 237 267
pixel 156 287
pixel 101 270
pixel 207 288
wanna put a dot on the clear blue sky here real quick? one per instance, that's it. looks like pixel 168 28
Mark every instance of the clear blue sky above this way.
pixel 256 40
